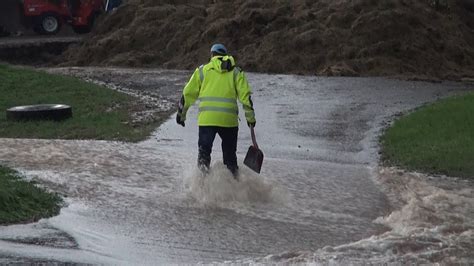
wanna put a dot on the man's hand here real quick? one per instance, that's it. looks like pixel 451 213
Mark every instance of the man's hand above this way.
pixel 251 124
pixel 178 119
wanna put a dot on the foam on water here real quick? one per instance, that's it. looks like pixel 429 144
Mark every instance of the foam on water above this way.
pixel 432 225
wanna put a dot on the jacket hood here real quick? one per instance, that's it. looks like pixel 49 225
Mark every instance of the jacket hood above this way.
pixel 223 63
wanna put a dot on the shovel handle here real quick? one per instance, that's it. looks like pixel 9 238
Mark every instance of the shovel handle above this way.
pixel 254 139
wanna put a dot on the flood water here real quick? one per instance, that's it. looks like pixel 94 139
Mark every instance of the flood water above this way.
pixel 320 197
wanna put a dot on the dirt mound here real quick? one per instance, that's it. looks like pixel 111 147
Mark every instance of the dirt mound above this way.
pixel 331 37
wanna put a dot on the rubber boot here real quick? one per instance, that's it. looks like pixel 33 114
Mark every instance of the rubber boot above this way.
pixel 234 170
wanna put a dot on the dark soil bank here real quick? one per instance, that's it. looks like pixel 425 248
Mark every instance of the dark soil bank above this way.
pixel 329 37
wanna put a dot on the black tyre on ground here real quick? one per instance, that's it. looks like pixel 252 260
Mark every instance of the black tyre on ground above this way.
pixel 49 24
pixel 56 112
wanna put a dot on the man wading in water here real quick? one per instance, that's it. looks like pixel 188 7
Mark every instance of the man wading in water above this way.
pixel 218 85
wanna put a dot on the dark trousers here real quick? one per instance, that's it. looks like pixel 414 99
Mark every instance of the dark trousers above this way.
pixel 228 135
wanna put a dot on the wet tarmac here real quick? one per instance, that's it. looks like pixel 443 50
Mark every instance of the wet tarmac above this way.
pixel 145 203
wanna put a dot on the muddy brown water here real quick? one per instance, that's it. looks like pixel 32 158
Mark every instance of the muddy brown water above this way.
pixel 145 203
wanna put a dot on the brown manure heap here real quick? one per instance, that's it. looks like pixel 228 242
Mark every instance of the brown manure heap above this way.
pixel 410 38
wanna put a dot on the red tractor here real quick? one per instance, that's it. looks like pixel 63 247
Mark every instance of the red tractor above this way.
pixel 47 16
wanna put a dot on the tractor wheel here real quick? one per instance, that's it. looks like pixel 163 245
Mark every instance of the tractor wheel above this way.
pixel 55 112
pixel 49 24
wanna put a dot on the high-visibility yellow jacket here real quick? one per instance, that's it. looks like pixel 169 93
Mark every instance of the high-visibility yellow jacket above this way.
pixel 218 85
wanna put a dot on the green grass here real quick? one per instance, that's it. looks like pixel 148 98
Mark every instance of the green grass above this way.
pixel 22 201
pixel 98 112
pixel 438 138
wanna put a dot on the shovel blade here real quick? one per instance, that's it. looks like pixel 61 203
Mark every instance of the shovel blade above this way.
pixel 254 159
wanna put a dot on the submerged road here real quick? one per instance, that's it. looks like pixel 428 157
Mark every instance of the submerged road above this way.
pixel 145 203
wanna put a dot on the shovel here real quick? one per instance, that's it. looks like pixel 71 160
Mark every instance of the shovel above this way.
pixel 254 157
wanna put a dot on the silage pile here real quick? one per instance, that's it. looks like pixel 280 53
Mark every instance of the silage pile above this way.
pixel 328 37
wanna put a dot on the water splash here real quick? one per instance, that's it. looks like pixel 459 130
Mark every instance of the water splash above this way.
pixel 219 188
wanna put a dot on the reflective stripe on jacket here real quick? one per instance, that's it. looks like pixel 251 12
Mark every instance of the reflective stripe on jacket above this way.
pixel 218 85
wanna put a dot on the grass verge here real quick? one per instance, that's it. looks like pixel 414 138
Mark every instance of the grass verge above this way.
pixel 22 201
pixel 437 138
pixel 98 112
